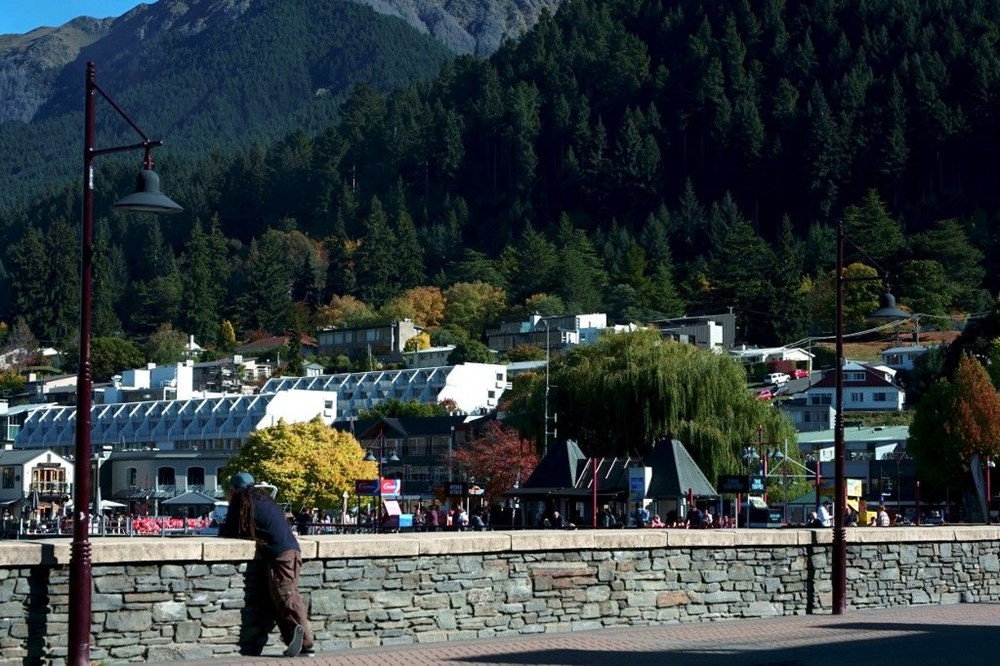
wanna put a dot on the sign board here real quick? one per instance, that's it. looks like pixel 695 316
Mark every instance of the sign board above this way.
pixel 733 483
pixel 366 487
pixel 854 487
pixel 757 484
pixel 456 489
pixel 636 484
pixel 391 487
pixel 476 490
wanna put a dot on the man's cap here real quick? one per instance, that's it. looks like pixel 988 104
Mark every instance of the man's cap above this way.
pixel 240 480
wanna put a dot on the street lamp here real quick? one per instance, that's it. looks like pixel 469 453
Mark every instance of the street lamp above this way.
pixel 887 310
pixel 146 199
pixel 989 469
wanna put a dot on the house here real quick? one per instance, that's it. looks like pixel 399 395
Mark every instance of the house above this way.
pixel 37 480
pixel 764 355
pixel 902 358
pixel 272 347
pixel 143 477
pixel 703 331
pixel 865 388
pixel 876 455
pixel 383 341
pixel 428 358
pixel 415 450
pixel 474 387
pixel 51 388
pixel 12 418
pixel 192 349
pixel 808 417
pixel 552 333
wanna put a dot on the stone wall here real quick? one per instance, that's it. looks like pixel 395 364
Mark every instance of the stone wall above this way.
pixel 163 599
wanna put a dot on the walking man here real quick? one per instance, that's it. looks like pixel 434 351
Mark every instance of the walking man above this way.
pixel 255 516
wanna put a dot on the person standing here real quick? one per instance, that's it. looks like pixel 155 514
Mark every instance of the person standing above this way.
pixel 255 516
pixel 824 513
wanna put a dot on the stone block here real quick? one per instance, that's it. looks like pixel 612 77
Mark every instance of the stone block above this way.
pixel 446 620
pixel 393 599
pixel 184 652
pixel 169 612
pixel 326 602
pixel 128 620
pixel 222 618
pixel 187 632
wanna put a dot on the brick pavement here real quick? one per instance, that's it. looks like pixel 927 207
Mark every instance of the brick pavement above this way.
pixel 914 635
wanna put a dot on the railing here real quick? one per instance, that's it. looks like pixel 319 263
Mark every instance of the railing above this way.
pixel 50 487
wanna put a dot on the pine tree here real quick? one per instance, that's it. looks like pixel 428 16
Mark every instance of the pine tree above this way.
pixel 375 258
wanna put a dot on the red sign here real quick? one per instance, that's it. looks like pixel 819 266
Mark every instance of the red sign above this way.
pixel 391 487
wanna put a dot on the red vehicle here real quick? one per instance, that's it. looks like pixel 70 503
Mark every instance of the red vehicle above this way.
pixel 764 394
pixel 800 374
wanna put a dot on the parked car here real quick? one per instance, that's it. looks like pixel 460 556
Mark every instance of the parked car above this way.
pixel 800 374
pixel 764 394
pixel 777 378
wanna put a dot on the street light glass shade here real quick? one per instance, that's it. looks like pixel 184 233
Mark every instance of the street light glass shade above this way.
pixel 370 457
pixel 393 457
pixel 887 308
pixel 147 197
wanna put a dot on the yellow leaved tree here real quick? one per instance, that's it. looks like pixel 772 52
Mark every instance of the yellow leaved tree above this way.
pixel 310 464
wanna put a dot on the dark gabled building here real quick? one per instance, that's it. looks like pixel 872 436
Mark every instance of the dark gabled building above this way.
pixel 415 449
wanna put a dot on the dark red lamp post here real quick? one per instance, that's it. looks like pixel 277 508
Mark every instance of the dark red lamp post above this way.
pixel 889 311
pixel 146 199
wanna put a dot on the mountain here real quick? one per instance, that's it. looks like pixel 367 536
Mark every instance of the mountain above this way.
pixel 468 26
pixel 214 74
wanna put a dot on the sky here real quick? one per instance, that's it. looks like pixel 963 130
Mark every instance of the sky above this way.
pixel 20 16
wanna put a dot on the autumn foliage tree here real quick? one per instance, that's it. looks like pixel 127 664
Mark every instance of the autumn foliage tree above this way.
pixel 956 424
pixel 499 457
pixel 310 463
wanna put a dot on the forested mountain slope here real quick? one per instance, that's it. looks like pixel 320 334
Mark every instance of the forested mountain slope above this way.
pixel 639 157
pixel 214 74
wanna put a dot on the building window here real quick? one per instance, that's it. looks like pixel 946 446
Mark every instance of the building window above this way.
pixel 857 397
pixel 880 397
pixel 807 416
pixel 218 477
pixel 8 477
pixel 499 376
pixel 165 477
pixel 132 477
pixel 196 477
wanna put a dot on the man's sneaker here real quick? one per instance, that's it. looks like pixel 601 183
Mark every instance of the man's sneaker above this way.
pixel 295 645
pixel 308 652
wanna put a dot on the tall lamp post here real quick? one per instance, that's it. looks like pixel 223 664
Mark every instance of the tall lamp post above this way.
pixel 887 310
pixel 381 446
pixel 146 199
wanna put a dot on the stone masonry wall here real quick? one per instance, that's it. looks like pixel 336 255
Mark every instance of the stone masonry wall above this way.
pixel 188 598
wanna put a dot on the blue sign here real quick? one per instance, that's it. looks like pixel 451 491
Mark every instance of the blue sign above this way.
pixel 366 487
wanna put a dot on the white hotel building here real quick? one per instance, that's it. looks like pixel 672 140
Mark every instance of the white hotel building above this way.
pixel 474 387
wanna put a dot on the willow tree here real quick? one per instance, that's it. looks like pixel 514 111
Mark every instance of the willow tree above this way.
pixel 618 396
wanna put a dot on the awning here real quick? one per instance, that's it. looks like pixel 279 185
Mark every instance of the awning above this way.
pixel 392 507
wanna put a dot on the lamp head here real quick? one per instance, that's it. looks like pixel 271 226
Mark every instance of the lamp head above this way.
pixel 393 457
pixel 887 308
pixel 147 197
pixel 370 457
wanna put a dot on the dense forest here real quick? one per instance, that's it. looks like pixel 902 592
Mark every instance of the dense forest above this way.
pixel 645 158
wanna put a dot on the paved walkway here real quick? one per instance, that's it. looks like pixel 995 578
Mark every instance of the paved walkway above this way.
pixel 914 636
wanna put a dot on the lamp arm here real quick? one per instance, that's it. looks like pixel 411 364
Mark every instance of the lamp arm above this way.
pixel 885 273
pixel 121 112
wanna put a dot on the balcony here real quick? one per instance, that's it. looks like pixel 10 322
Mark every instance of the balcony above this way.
pixel 50 489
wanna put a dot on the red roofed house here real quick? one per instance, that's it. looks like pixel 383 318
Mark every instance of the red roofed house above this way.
pixel 866 388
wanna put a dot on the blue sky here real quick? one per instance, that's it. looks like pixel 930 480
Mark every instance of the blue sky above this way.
pixel 20 16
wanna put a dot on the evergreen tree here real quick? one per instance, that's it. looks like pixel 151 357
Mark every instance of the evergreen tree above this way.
pixel 266 299
pixel 374 260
